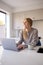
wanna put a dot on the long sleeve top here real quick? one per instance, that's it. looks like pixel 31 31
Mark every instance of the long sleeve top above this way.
pixel 32 37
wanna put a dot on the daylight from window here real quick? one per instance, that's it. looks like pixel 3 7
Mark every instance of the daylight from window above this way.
pixel 2 19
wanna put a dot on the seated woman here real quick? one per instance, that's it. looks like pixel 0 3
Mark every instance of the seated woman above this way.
pixel 28 35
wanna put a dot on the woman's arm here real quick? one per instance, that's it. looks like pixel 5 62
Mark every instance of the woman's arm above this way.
pixel 21 38
pixel 34 38
pixel 19 45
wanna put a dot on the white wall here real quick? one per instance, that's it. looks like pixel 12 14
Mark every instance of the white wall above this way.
pixel 5 7
pixel 34 14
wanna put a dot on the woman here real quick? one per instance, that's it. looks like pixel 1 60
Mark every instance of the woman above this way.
pixel 28 35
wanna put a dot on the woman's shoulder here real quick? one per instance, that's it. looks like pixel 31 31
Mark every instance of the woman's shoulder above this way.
pixel 34 29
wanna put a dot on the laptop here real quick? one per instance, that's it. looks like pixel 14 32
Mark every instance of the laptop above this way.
pixel 10 44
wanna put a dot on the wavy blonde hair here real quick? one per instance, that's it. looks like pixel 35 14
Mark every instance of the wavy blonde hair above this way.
pixel 25 36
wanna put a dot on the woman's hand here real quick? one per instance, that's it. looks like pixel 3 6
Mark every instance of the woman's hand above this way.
pixel 20 46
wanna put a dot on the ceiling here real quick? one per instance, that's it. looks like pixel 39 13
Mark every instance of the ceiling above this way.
pixel 24 5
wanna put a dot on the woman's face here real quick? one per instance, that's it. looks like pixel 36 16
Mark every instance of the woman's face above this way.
pixel 27 24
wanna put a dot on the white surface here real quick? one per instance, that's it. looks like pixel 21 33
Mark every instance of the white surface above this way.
pixel 23 5
pixel 24 57
pixel 1 51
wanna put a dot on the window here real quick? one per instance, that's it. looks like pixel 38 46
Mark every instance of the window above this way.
pixel 2 25
pixel 2 18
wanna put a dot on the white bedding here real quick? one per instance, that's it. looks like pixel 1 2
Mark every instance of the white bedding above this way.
pixel 24 57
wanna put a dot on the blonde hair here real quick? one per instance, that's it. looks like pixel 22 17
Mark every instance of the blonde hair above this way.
pixel 25 36
pixel 29 20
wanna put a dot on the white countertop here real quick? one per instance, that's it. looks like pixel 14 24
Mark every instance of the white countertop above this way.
pixel 24 57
